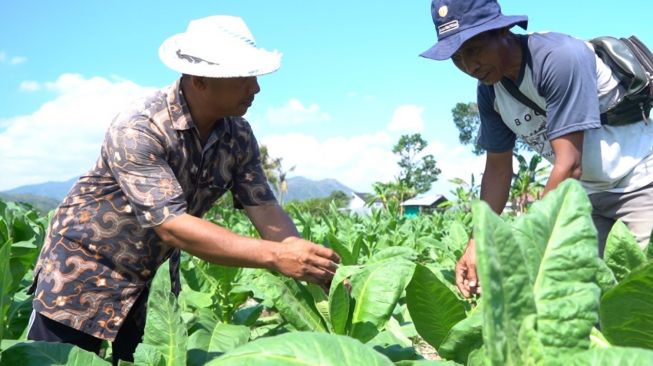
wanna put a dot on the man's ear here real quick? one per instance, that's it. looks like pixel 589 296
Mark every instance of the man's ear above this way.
pixel 198 82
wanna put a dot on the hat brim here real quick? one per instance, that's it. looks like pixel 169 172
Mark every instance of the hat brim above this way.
pixel 445 48
pixel 256 62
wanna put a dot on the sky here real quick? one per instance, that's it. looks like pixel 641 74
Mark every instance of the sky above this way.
pixel 351 81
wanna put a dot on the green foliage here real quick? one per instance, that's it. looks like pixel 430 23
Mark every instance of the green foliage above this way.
pixel 303 348
pixel 468 121
pixel 45 353
pixel 416 172
pixel 539 288
pixel 434 307
pixel 626 317
pixel 622 253
pixel 164 327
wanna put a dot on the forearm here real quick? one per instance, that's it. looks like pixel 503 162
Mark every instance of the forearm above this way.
pixel 559 173
pixel 216 244
pixel 272 222
pixel 495 188
pixel 568 151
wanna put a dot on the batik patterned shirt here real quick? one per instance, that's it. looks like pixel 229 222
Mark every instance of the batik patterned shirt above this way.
pixel 101 250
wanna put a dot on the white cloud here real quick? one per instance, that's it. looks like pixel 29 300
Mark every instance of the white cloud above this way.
pixel 407 119
pixel 30 86
pixel 62 138
pixel 355 161
pixel 17 60
pixel 14 60
pixel 295 113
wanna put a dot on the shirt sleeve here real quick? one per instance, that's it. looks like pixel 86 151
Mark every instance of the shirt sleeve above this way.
pixel 567 80
pixel 493 136
pixel 250 185
pixel 135 156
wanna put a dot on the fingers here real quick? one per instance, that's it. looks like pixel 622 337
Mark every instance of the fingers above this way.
pixel 461 278
pixel 324 263
pixel 327 253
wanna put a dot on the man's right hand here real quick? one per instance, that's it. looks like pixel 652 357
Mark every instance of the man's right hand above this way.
pixel 300 259
pixel 466 278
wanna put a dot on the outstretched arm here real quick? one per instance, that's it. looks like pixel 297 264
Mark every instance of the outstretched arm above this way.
pixel 495 187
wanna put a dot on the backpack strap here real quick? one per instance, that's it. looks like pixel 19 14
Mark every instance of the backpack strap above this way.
pixel 510 86
pixel 523 99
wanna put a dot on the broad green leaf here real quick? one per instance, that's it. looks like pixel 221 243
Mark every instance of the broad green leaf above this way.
pixel 507 293
pixel 622 252
pixel 164 327
pixel 393 253
pixel 148 355
pixel 320 300
pixel 425 363
pixel 530 344
pixel 45 353
pixel 5 284
pixel 4 230
pixel 547 261
pixel 432 306
pixel 204 346
pixel 598 340
pixel 565 290
pixel 376 291
pixel 248 316
pixel 627 312
pixel 464 337
pixel 291 299
pixel 339 247
pixel 604 277
pixel 621 356
pixel 303 348
pixel 339 308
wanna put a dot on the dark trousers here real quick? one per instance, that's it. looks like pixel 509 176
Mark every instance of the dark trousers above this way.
pixel 129 335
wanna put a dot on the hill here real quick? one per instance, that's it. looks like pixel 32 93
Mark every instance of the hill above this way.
pixel 300 188
pixel 46 196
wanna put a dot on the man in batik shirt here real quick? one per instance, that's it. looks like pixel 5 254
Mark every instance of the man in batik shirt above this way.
pixel 164 162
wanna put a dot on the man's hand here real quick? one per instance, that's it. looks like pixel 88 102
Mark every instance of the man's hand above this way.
pixel 303 260
pixel 466 278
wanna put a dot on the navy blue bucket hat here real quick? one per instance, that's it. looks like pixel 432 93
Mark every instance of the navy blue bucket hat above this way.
pixel 456 21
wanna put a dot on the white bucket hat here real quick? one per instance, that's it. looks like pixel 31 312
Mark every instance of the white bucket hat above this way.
pixel 218 46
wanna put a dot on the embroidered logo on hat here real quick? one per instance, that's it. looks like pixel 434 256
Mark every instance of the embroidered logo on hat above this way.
pixel 442 12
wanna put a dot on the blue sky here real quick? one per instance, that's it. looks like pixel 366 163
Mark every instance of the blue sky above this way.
pixel 351 82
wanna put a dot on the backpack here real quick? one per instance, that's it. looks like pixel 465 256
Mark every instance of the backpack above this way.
pixel 632 62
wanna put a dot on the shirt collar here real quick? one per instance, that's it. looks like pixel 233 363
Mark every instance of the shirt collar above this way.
pixel 180 113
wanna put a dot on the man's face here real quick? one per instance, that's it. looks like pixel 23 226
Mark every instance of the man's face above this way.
pixel 231 96
pixel 483 57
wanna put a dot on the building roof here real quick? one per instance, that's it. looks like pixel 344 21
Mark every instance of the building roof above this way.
pixel 424 200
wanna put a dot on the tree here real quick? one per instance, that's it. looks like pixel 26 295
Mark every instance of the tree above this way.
pixel 417 172
pixel 274 171
pixel 528 183
pixel 468 122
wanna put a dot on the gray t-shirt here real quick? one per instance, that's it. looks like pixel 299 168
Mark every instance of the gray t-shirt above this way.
pixel 563 76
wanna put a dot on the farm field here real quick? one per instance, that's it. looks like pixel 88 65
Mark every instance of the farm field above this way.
pixel 547 298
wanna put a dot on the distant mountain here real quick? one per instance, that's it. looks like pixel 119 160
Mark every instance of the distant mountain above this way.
pixel 46 196
pixel 300 188
pixel 54 190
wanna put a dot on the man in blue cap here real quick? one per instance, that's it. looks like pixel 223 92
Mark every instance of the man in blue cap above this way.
pixel 570 87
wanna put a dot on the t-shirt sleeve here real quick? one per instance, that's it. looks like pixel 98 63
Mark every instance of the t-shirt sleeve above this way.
pixel 493 136
pixel 135 156
pixel 566 77
pixel 250 185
